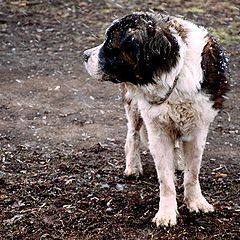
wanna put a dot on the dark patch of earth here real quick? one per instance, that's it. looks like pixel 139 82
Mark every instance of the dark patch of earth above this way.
pixel 62 134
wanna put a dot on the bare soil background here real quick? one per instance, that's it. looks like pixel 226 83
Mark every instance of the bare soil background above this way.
pixel 62 133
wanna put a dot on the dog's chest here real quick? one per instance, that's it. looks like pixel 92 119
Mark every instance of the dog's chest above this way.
pixel 182 117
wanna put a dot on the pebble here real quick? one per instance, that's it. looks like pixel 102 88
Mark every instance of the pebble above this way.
pixel 119 187
pixel 2 174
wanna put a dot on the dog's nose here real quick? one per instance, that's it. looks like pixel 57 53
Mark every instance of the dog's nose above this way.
pixel 86 56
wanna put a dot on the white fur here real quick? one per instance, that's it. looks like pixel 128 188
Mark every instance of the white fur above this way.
pixel 132 145
pixel 92 64
pixel 187 110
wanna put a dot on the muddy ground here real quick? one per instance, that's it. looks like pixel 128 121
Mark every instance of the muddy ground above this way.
pixel 62 133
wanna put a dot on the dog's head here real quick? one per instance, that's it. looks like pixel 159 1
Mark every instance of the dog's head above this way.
pixel 136 47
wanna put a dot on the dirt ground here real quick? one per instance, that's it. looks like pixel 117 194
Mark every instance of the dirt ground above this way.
pixel 62 133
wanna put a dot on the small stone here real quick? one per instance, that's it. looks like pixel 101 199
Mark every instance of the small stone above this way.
pixel 119 187
pixel 2 174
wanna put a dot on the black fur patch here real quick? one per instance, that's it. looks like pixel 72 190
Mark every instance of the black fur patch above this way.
pixel 215 72
pixel 136 47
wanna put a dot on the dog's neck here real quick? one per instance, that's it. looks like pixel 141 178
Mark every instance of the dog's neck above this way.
pixel 167 95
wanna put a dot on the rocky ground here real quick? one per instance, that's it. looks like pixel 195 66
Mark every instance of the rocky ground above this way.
pixel 62 133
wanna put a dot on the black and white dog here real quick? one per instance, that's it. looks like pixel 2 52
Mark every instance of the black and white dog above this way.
pixel 174 77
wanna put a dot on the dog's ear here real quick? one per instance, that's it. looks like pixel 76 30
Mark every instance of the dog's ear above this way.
pixel 148 43
pixel 132 56
pixel 158 44
pixel 132 44
pixel 146 49
pixel 161 50
pixel 136 39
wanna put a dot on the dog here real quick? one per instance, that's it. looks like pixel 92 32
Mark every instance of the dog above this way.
pixel 174 77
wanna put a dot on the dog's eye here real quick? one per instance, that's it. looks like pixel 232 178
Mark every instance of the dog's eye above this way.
pixel 109 45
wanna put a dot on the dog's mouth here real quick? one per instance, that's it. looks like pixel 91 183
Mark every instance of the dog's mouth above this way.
pixel 107 78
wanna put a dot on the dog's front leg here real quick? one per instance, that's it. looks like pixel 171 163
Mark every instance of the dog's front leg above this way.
pixel 132 145
pixel 193 151
pixel 162 149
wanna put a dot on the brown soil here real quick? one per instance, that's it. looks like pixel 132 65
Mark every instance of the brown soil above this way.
pixel 62 133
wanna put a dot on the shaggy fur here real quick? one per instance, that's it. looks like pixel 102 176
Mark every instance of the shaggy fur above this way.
pixel 174 77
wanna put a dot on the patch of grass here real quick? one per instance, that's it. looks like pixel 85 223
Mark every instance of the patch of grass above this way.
pixel 225 36
pixel 194 10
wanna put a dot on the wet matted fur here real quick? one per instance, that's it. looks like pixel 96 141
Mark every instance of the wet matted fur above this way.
pixel 174 78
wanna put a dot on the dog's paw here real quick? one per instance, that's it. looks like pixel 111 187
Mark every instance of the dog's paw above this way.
pixel 133 171
pixel 165 218
pixel 199 204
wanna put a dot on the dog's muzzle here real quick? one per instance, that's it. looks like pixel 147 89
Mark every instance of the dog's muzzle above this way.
pixel 91 62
